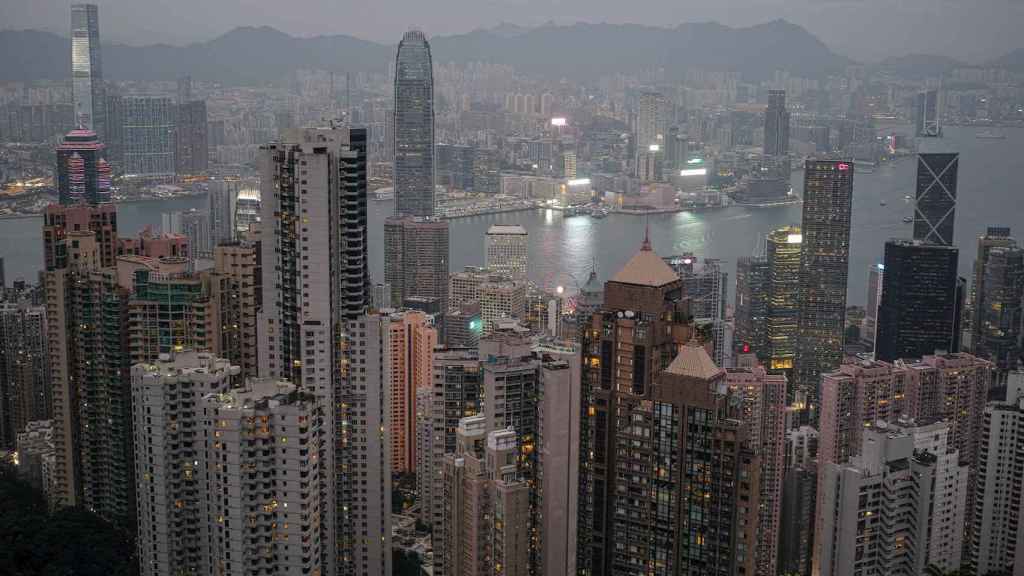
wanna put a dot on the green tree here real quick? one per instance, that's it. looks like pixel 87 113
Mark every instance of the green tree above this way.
pixel 72 541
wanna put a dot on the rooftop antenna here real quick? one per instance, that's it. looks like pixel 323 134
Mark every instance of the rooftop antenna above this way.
pixel 647 235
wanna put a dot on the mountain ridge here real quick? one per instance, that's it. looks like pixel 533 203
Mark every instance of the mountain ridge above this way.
pixel 259 54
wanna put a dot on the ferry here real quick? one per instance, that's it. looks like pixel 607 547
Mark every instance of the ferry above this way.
pixel 908 219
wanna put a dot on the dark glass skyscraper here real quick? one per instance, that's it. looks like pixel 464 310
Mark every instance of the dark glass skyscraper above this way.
pixel 192 149
pixel 776 124
pixel 994 237
pixel 751 334
pixel 999 308
pixel 86 68
pixel 414 127
pixel 824 268
pixel 83 175
pixel 936 198
pixel 920 309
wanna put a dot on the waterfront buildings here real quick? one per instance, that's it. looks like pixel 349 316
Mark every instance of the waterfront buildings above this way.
pixel 192 152
pixel 83 173
pixel 148 139
pixel 507 251
pixel 776 124
pixel 416 259
pixel 652 118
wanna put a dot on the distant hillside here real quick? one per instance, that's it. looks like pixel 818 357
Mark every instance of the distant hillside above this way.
pixel 589 50
pixel 919 66
pixel 1013 61
pixel 253 55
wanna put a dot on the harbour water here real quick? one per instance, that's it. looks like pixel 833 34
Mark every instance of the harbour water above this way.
pixel 563 250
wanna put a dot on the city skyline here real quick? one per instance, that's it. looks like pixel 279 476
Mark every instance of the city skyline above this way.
pixel 467 318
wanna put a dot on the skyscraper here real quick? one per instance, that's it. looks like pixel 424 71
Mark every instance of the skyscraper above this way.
pixel 996 516
pixel 927 109
pixel 86 315
pixel 626 346
pixel 783 248
pixel 1000 308
pixel 763 401
pixel 148 139
pixel 776 124
pixel 487 504
pixel 200 500
pixel 363 437
pixel 558 442
pixel 993 237
pixel 416 259
pixel 192 150
pixel 889 508
pixel 652 117
pixel 935 210
pixel 869 328
pixel 223 200
pixel 83 174
pixel 235 287
pixel 824 268
pixel 248 211
pixel 706 285
pixel 920 309
pixel 412 341
pixel 87 68
pixel 414 127
pixel 314 282
pixel 751 310
pixel 507 250
pixel 24 369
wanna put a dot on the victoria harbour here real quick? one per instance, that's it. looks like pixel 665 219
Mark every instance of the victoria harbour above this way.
pixel 563 250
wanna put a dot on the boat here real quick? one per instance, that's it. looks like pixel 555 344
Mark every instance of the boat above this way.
pixel 908 197
pixel 574 211
pixel 908 219
pixel 882 203
pixel 990 135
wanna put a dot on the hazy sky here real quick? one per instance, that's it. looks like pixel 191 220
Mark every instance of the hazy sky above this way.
pixel 971 30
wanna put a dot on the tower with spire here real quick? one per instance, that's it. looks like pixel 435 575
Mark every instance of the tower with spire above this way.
pixel 645 379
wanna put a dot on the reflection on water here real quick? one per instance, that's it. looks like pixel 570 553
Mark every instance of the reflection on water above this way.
pixel 563 248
